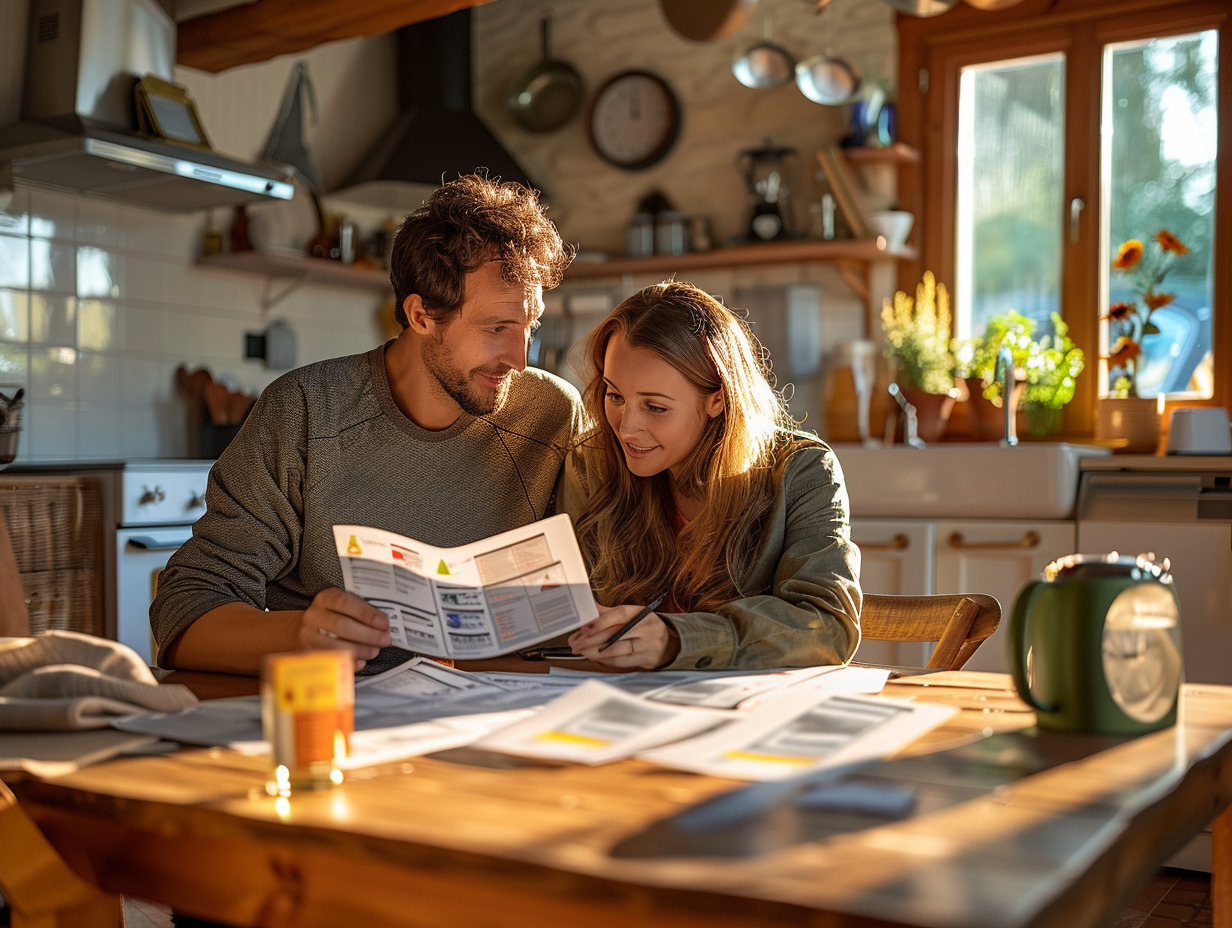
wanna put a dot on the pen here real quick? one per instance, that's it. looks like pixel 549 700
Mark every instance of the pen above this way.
pixel 624 629
pixel 562 653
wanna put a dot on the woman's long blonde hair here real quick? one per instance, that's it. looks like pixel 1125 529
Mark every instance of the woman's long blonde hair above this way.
pixel 626 530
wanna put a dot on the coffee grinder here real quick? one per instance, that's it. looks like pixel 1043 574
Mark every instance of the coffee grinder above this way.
pixel 769 176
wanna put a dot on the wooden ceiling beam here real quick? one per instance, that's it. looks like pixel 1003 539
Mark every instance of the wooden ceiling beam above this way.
pixel 268 28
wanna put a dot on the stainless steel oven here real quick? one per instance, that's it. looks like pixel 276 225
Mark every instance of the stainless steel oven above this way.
pixel 159 502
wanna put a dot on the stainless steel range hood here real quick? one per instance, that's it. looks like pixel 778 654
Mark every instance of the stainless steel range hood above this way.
pixel 78 129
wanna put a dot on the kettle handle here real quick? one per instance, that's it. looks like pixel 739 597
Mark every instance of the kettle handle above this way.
pixel 1018 648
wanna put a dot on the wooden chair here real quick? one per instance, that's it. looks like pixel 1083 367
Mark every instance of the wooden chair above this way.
pixel 958 622
pixel 39 887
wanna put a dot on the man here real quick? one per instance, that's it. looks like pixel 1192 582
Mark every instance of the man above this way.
pixel 441 434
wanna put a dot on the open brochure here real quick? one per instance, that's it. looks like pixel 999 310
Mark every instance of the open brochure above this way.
pixel 479 600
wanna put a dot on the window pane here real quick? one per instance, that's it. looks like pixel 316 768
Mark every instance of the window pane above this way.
pixel 1158 172
pixel 1011 135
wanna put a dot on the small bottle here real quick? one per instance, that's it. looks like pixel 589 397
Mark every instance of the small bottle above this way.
pixel 239 230
pixel 211 242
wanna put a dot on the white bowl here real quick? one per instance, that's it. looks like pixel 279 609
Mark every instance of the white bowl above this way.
pixel 894 225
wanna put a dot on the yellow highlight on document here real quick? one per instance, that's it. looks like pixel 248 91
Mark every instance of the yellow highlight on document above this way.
pixel 571 738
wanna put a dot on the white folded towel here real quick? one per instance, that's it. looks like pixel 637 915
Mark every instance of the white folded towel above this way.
pixel 67 681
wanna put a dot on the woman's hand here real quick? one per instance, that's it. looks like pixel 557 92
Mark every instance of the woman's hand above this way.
pixel 338 619
pixel 648 645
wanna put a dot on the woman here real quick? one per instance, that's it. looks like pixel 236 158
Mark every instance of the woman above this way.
pixel 693 486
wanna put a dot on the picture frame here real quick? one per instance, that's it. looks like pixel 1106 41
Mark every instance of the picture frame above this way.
pixel 165 111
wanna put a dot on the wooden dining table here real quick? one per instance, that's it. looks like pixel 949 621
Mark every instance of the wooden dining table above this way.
pixel 1010 826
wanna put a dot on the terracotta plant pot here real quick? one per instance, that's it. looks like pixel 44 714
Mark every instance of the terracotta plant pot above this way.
pixel 1133 419
pixel 932 412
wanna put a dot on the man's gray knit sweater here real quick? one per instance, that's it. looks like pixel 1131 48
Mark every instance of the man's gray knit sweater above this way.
pixel 326 445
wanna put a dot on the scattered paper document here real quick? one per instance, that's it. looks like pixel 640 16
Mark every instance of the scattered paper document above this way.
pixel 745 690
pixel 786 736
pixel 596 723
pixel 486 598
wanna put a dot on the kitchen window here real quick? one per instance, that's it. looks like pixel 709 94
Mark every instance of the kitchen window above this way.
pixel 1050 133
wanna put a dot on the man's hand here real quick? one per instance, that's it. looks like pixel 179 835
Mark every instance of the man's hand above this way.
pixel 338 619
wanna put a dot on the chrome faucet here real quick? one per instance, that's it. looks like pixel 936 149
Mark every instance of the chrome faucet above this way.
pixel 1009 395
pixel 911 434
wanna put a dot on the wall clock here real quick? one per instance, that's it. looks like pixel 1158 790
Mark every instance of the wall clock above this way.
pixel 634 120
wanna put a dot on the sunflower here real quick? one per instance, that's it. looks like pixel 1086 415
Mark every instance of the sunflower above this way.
pixel 1129 254
pixel 1155 300
pixel 1169 242
pixel 1124 351
pixel 1119 311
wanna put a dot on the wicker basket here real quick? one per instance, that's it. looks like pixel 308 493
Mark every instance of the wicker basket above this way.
pixel 56 528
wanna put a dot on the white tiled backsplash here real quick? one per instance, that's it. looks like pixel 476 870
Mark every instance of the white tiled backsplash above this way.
pixel 99 303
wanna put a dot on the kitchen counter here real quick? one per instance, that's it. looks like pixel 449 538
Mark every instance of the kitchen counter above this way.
pixel 60 467
pixel 1162 463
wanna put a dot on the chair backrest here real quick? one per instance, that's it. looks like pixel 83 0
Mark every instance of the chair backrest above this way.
pixel 14 619
pixel 958 622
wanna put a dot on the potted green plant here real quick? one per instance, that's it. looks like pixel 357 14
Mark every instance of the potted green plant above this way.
pixel 1046 368
pixel 919 341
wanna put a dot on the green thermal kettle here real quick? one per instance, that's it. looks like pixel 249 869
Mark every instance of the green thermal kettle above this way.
pixel 1095 645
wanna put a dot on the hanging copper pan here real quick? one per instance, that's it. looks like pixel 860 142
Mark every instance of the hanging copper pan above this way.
pixel 706 20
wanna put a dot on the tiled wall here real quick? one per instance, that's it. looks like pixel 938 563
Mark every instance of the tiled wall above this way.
pixel 99 303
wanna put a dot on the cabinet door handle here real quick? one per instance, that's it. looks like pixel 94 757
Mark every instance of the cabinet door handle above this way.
pixel 1029 540
pixel 897 543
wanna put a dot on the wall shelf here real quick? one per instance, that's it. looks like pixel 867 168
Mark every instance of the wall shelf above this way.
pixel 896 153
pixel 297 270
pixel 854 259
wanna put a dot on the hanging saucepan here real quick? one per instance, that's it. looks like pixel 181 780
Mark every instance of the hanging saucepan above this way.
pixel 549 94
pixel 922 7
pixel 826 78
pixel 764 64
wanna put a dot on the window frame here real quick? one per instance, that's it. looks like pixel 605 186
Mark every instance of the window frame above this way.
pixel 932 52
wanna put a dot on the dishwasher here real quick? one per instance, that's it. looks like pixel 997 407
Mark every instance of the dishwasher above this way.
pixel 1179 508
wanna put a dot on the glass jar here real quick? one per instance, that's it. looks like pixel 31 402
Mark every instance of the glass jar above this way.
pixel 640 236
pixel 671 234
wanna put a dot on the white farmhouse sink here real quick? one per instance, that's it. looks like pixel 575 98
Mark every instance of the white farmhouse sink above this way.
pixel 1033 480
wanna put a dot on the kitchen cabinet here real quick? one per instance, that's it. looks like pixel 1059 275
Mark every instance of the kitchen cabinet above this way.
pixel 295 271
pixel 918 556
pixel 997 558
pixel 896 558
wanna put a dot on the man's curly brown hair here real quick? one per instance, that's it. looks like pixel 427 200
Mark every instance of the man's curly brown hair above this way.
pixel 463 225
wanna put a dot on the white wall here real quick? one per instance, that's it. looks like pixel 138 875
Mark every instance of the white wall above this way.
pixel 100 302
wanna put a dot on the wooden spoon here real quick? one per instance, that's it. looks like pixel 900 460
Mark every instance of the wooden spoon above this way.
pixel 217 400
pixel 238 404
